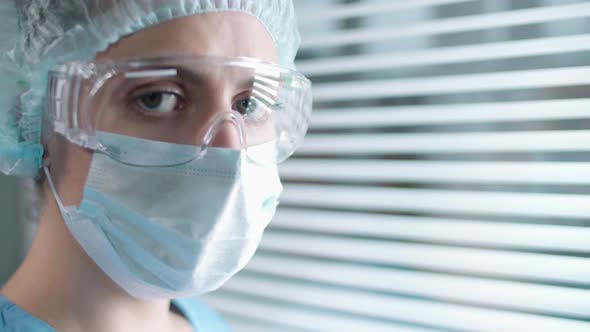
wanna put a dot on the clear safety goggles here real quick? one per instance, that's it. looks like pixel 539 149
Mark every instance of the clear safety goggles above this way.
pixel 192 102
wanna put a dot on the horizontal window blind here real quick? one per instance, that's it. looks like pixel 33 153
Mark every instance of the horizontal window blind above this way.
pixel 444 184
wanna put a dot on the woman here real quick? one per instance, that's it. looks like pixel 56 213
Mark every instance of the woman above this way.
pixel 156 127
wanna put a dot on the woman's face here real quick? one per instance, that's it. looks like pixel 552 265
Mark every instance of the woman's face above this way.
pixel 212 34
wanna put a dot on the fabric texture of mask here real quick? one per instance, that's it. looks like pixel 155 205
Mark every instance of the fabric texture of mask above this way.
pixel 52 31
pixel 166 232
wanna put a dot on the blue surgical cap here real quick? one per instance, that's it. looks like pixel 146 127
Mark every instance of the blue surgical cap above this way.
pixel 37 34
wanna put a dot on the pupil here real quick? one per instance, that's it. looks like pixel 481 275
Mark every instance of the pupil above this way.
pixel 247 104
pixel 153 99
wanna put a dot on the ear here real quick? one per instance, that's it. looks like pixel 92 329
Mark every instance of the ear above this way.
pixel 68 164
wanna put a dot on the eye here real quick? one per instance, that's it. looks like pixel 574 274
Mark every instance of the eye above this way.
pixel 158 102
pixel 245 105
pixel 250 107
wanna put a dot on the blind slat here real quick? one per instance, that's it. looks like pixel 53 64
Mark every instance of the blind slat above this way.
pixel 451 25
pixel 365 144
pixel 378 117
pixel 497 81
pixel 444 230
pixel 386 307
pixel 443 259
pixel 379 171
pixel 539 299
pixel 297 317
pixel 339 12
pixel 438 56
pixel 437 201
pixel 239 324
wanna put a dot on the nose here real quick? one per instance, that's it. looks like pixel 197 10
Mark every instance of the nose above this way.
pixel 217 124
pixel 227 134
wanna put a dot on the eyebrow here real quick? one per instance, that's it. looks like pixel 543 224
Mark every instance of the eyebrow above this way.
pixel 197 78
pixel 185 73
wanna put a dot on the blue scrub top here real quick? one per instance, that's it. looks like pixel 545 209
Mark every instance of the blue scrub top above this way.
pixel 201 317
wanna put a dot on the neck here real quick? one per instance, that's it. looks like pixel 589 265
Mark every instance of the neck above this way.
pixel 59 284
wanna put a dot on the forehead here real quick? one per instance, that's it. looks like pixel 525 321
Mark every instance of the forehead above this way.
pixel 229 34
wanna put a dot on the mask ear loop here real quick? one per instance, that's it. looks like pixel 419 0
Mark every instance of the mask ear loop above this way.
pixel 52 186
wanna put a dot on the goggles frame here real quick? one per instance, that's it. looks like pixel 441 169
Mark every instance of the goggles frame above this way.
pixel 70 118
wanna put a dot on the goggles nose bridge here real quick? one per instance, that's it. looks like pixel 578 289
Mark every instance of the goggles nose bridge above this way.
pixel 227 130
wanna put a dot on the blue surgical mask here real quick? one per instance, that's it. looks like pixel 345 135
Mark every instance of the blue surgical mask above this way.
pixel 166 232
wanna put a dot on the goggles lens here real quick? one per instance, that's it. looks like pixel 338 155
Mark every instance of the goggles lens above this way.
pixel 192 103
